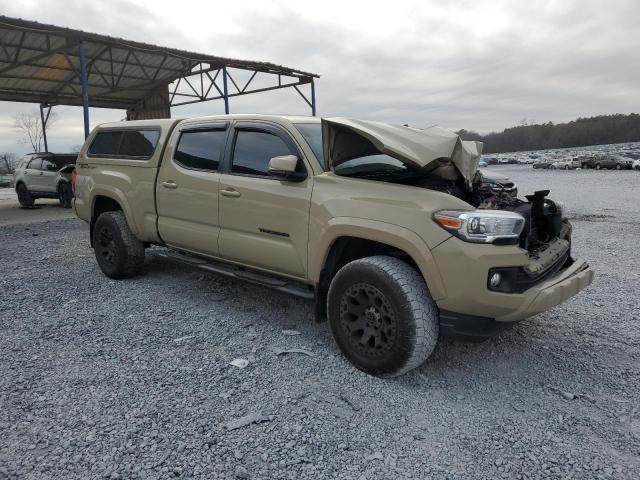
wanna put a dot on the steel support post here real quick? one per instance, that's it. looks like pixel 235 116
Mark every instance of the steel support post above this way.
pixel 225 91
pixel 85 88
pixel 313 98
pixel 44 127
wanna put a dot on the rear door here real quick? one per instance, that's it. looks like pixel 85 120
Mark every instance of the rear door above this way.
pixel 48 176
pixel 264 221
pixel 187 187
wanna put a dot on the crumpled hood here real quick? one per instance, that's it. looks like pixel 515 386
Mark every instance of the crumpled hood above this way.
pixel 435 149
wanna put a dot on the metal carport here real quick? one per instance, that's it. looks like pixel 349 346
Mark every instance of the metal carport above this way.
pixel 53 65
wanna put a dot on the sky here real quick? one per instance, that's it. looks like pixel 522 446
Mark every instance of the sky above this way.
pixel 483 65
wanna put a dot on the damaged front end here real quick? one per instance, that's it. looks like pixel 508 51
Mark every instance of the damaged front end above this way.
pixel 438 159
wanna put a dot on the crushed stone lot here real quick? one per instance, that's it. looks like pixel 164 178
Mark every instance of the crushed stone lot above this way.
pixel 132 379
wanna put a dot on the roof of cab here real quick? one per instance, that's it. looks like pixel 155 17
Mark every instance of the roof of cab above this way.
pixel 168 122
pixel 159 122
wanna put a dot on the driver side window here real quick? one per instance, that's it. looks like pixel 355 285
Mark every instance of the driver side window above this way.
pixel 253 150
pixel 35 164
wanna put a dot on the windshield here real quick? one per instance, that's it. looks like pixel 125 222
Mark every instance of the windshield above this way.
pixel 380 164
pixel 312 133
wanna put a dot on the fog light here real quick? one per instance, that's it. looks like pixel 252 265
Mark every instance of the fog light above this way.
pixel 495 280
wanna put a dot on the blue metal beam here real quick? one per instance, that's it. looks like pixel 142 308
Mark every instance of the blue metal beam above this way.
pixel 225 91
pixel 85 89
pixel 313 98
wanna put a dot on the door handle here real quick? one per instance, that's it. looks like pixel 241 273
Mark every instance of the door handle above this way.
pixel 230 193
pixel 169 184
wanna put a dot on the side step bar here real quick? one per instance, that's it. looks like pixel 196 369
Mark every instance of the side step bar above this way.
pixel 251 276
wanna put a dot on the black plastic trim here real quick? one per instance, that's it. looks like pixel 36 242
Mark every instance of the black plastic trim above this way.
pixel 469 328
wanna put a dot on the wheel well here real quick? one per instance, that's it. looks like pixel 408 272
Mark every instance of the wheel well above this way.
pixel 101 205
pixel 345 250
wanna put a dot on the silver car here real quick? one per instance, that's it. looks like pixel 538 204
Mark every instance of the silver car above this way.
pixel 44 175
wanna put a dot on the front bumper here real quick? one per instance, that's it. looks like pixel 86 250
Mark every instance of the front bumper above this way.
pixel 464 268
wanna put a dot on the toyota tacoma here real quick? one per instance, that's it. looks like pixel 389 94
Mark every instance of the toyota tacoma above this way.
pixel 390 230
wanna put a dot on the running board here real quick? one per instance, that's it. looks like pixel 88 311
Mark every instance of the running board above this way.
pixel 251 276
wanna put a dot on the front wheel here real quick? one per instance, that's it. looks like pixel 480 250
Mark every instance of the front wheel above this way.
pixel 382 315
pixel 598 167
pixel 618 166
pixel 118 252
pixel 24 197
pixel 65 195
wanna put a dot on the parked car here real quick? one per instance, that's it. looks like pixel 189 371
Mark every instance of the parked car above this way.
pixel 482 163
pixel 636 165
pixel 542 164
pixel 616 162
pixel 562 165
pixel 493 182
pixel 385 227
pixel 44 175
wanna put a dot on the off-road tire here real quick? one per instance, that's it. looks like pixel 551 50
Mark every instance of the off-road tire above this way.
pixel 65 194
pixel 118 252
pixel 24 197
pixel 406 310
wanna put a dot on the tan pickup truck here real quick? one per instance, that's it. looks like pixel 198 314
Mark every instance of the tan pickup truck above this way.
pixel 391 230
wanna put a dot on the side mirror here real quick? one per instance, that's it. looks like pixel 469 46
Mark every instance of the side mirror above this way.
pixel 284 168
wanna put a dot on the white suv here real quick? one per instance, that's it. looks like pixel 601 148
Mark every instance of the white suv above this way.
pixel 44 175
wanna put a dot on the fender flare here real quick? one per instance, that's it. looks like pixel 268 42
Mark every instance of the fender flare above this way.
pixel 118 196
pixel 396 236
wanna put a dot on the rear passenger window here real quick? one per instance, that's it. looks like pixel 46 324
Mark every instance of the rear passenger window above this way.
pixel 138 144
pixel 106 143
pixel 253 150
pixel 200 149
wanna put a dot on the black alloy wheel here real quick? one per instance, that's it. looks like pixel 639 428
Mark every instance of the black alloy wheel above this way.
pixel 105 247
pixel 368 320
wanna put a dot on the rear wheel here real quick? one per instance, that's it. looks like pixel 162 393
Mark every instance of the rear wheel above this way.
pixel 618 166
pixel 118 252
pixel 598 167
pixel 65 195
pixel 382 316
pixel 24 197
pixel 566 167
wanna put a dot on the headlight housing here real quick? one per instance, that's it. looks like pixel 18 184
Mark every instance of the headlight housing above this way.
pixel 482 226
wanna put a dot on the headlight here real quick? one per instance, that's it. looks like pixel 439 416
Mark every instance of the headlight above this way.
pixel 482 226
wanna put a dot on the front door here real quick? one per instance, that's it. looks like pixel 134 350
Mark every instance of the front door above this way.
pixel 32 174
pixel 187 188
pixel 264 221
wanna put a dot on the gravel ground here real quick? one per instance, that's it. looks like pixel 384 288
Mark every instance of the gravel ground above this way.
pixel 131 379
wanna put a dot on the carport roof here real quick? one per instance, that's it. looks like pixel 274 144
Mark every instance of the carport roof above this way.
pixel 41 63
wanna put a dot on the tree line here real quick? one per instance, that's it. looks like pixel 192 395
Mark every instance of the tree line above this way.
pixel 598 130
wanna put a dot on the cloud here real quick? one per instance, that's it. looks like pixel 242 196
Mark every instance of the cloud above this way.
pixel 477 65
